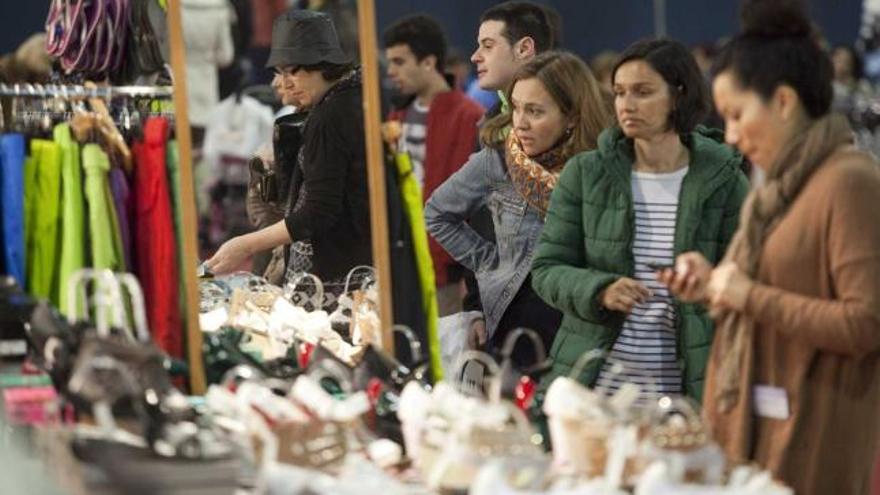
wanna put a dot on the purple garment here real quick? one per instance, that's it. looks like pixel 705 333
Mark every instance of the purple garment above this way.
pixel 123 202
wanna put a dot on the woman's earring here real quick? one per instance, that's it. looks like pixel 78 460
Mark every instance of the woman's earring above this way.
pixel 568 131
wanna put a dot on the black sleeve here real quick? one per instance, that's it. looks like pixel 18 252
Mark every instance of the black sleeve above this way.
pixel 327 153
pixel 471 300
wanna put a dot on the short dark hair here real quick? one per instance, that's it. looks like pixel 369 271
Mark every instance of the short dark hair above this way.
pixel 777 46
pixel 329 71
pixel 539 22
pixel 676 65
pixel 422 34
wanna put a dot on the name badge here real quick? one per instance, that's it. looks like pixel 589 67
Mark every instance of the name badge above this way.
pixel 770 402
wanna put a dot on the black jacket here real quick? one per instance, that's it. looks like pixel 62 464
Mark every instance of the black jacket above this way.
pixel 332 173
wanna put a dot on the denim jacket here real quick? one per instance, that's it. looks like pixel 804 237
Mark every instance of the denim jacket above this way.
pixel 500 266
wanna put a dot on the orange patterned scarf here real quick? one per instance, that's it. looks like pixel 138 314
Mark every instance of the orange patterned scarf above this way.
pixel 535 178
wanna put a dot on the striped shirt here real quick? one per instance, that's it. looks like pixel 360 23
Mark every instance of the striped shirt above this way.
pixel 646 344
pixel 413 138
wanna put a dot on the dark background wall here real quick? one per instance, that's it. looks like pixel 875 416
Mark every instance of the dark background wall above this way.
pixel 589 25
pixel 18 20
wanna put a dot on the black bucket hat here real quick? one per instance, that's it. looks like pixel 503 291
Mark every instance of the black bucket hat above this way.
pixel 303 37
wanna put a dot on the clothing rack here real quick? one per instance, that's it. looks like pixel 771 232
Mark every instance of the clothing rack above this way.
pixel 78 91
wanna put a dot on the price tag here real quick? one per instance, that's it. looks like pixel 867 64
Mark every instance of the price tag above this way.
pixel 771 402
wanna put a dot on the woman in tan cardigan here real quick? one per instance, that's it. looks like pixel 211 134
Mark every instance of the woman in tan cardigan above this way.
pixel 793 380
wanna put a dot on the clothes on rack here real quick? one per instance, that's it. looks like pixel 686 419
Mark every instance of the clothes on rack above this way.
pixel 172 163
pixel 42 240
pixel 172 158
pixel 30 188
pixel 58 218
pixel 156 250
pixel 72 249
pixel 106 242
pixel 238 127
pixel 12 152
pixel 207 32
pixel 123 203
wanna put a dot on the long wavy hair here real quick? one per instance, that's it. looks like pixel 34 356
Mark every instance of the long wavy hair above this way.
pixel 572 86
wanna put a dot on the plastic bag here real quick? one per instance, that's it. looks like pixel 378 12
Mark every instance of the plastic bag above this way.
pixel 453 331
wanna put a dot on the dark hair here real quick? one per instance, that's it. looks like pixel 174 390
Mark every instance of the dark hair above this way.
pixel 572 87
pixel 422 34
pixel 521 19
pixel 329 71
pixel 858 66
pixel 676 65
pixel 778 46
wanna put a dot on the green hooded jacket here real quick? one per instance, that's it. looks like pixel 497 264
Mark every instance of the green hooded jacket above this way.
pixel 587 244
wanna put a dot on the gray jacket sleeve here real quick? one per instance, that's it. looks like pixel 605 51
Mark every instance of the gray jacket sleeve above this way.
pixel 454 202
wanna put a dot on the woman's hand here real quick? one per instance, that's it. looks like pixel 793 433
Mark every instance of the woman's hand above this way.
pixel 688 279
pixel 477 336
pixel 623 294
pixel 729 288
pixel 231 255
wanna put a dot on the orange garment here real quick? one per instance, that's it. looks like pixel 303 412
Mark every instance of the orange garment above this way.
pixel 816 307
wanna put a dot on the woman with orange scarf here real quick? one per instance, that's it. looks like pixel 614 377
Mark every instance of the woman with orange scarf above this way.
pixel 557 110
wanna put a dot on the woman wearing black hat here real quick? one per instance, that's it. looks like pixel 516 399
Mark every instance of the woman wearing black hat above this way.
pixel 327 221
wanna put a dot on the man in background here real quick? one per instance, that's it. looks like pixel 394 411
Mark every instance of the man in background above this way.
pixel 439 125
pixel 511 34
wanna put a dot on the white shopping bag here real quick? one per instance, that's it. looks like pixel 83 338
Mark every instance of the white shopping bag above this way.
pixel 453 330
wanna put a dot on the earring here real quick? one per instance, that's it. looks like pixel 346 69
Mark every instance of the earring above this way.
pixel 568 131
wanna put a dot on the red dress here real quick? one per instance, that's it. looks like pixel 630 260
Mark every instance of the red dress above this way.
pixel 155 247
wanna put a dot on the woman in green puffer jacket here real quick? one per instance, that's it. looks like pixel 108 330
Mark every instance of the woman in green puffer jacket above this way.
pixel 657 186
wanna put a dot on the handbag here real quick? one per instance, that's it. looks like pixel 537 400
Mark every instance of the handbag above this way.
pixel 301 296
pixel 222 351
pixel 678 438
pixel 89 36
pixel 479 430
pixel 426 414
pixel 383 378
pixel 143 55
pixel 113 362
pixel 519 384
pixel 596 434
pixel 580 421
pixel 118 369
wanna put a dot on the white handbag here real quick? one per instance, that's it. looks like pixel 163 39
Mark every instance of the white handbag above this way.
pixel 679 439
pixel 595 434
pixel 479 430
pixel 580 421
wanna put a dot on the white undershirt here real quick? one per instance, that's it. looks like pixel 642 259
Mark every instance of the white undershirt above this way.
pixel 647 342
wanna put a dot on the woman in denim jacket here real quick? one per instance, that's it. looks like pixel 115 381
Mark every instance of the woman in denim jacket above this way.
pixel 557 110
